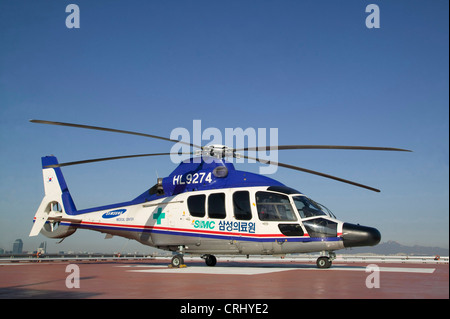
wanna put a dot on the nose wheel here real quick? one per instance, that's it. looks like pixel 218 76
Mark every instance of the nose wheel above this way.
pixel 323 262
pixel 326 259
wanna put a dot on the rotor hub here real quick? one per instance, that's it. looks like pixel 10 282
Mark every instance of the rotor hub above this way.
pixel 217 151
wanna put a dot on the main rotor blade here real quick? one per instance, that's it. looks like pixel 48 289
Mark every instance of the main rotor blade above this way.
pixel 320 147
pixel 112 130
pixel 110 158
pixel 312 172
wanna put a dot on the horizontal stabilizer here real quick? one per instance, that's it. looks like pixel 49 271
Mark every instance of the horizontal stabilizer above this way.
pixel 39 219
pixel 38 224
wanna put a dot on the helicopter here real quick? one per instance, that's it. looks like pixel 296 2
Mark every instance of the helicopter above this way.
pixel 207 207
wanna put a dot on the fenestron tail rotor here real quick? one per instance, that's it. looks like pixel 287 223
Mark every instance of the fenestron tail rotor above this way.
pixel 222 151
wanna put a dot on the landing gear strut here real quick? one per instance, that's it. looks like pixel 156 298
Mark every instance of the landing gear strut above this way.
pixel 210 260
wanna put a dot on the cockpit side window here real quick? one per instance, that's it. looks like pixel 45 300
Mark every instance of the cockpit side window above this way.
pixel 306 208
pixel 274 207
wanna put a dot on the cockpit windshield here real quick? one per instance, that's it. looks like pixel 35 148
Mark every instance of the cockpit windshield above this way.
pixel 306 207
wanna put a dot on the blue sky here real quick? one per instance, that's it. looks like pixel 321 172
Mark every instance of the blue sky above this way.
pixel 311 69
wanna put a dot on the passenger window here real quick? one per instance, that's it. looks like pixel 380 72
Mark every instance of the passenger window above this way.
pixel 216 206
pixel 241 205
pixel 196 205
pixel 274 207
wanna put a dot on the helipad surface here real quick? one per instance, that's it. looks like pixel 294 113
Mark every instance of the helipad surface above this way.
pixel 153 279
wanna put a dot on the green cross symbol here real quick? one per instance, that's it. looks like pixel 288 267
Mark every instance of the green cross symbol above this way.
pixel 159 215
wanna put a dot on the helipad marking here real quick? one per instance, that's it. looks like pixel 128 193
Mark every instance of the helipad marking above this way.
pixel 215 270
pixel 267 270
pixel 395 269
pixel 141 266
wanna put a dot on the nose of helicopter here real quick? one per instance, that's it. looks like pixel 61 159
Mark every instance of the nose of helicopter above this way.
pixel 356 235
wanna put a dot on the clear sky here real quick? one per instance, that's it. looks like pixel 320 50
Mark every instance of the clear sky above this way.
pixel 312 69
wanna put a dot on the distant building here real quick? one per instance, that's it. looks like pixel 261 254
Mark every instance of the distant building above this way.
pixel 42 247
pixel 17 246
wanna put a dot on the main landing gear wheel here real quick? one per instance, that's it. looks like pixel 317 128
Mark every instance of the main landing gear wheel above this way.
pixel 177 261
pixel 323 262
pixel 210 260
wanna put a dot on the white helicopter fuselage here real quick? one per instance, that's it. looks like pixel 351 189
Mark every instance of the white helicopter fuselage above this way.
pixel 198 211
pixel 169 223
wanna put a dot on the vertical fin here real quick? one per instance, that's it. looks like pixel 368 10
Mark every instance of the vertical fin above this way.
pixel 56 190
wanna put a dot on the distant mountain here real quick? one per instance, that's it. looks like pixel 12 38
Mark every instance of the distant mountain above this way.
pixel 395 248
